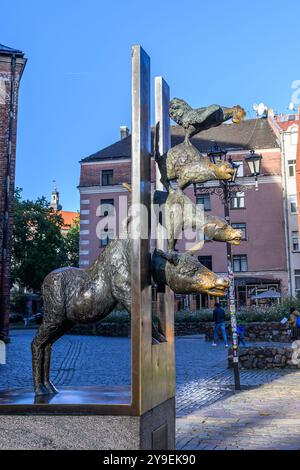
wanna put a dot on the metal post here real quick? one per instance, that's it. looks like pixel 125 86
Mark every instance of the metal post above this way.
pixel 141 321
pixel 165 300
pixel 232 309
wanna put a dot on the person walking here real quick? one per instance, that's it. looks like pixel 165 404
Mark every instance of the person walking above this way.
pixel 241 335
pixel 219 319
pixel 294 321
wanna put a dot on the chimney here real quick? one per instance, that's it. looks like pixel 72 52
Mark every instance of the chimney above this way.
pixel 124 131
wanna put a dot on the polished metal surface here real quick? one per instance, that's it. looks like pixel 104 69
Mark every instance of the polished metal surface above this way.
pixel 68 395
pixel 141 303
pixel 163 356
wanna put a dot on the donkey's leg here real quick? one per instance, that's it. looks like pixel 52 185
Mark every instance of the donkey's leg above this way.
pixel 46 372
pixel 37 348
pixel 47 333
pixel 47 356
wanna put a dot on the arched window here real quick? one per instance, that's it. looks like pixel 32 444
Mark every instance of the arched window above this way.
pixel 293 134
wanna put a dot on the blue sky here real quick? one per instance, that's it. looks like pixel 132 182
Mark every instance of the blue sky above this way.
pixel 75 92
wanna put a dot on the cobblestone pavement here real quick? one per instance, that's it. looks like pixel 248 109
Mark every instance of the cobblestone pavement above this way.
pixel 210 415
pixel 266 417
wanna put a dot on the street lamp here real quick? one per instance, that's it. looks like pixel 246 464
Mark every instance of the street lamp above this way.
pixel 218 154
pixel 223 191
pixel 235 167
pixel 254 162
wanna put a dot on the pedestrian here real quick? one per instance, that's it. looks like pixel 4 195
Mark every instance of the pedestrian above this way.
pixel 241 335
pixel 219 319
pixel 294 320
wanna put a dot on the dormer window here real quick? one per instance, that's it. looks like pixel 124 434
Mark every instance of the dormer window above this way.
pixel 107 177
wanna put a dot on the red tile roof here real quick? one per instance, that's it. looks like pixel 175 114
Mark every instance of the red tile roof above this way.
pixel 69 218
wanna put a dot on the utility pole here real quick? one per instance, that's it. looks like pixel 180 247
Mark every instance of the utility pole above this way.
pixel 231 303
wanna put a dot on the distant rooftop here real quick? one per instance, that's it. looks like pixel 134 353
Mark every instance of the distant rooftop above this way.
pixel 10 51
pixel 251 133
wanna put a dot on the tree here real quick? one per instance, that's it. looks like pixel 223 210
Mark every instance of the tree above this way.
pixel 38 244
pixel 71 242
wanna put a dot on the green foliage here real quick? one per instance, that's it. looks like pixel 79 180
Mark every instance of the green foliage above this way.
pixel 274 313
pixel 38 244
pixel 245 314
pixel 71 243
pixel 187 315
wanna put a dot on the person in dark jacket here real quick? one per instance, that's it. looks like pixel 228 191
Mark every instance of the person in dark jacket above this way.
pixel 219 319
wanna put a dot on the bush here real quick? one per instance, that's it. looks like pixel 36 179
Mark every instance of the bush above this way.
pixel 244 314
pixel 187 315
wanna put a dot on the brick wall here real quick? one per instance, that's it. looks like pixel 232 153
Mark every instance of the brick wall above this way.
pixel 7 181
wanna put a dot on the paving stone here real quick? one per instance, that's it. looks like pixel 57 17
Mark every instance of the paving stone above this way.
pixel 210 414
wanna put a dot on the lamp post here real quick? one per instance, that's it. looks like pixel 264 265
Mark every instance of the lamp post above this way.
pixel 218 154
pixel 224 192
pixel 254 162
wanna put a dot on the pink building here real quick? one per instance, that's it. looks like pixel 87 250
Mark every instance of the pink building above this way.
pixel 260 261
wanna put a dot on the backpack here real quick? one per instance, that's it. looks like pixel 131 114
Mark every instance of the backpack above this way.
pixel 298 322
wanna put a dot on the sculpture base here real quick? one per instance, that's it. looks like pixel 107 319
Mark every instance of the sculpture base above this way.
pixel 68 396
pixel 154 430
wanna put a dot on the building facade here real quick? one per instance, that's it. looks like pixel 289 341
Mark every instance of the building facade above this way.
pixel 261 261
pixel 286 128
pixel 12 63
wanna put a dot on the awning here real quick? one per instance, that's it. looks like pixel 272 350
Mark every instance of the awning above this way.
pixel 268 294
pixel 243 281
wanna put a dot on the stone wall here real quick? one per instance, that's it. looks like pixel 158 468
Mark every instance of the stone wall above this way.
pixel 261 331
pixel 257 331
pixel 268 356
pixel 102 329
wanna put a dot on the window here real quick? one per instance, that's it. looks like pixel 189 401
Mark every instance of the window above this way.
pixel 107 177
pixel 241 227
pixel 297 282
pixel 237 200
pixel 293 203
pixel 205 200
pixel 295 240
pixel 294 136
pixel 291 168
pixel 107 207
pixel 106 236
pixel 240 263
pixel 240 164
pixel 206 261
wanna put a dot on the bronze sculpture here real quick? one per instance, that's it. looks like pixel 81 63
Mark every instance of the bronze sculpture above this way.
pixel 200 119
pixel 181 213
pixel 184 161
pixel 73 295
